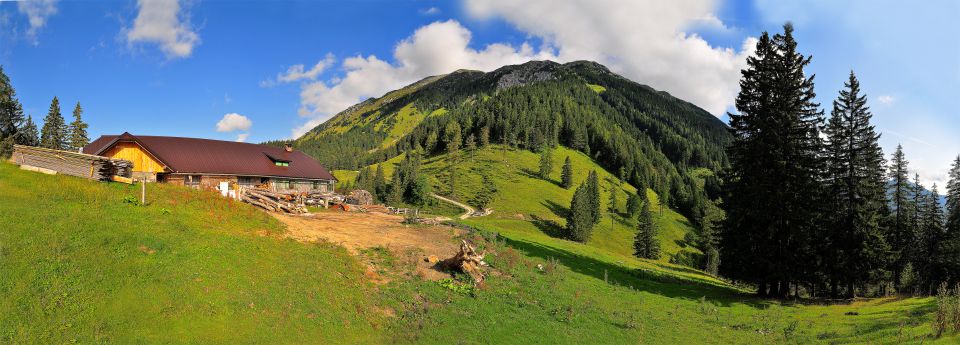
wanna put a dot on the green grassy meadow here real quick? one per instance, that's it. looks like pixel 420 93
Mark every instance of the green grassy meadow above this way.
pixel 79 264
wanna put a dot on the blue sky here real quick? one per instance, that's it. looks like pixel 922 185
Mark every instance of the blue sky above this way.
pixel 257 70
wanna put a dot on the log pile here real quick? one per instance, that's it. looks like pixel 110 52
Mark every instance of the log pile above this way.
pixel 271 201
pixel 467 260
pixel 72 163
pixel 360 197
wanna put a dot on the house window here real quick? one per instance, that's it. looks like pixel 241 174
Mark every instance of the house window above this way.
pixel 282 184
pixel 281 164
pixel 247 181
pixel 316 185
pixel 192 180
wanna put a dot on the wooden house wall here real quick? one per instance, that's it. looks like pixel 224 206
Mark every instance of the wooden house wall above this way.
pixel 142 161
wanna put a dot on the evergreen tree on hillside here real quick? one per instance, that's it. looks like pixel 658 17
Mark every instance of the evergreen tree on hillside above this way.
pixel 430 143
pixel 771 188
pixel 452 137
pixel 566 175
pixel 634 203
pixel 929 272
pixel 546 163
pixel 580 217
pixel 78 130
pixel 916 194
pixel 11 115
pixel 55 133
pixel 593 196
pixel 900 234
pixel 948 252
pixel 380 184
pixel 856 180
pixel 484 136
pixel 614 196
pixel 471 143
pixel 397 187
pixel 29 135
pixel 487 192
pixel 645 244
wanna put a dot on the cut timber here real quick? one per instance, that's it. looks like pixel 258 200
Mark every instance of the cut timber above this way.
pixel 38 169
pixel 71 163
pixel 467 261
pixel 121 179
pixel 272 201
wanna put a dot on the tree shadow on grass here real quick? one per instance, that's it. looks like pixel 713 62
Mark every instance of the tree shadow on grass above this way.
pixel 536 175
pixel 690 288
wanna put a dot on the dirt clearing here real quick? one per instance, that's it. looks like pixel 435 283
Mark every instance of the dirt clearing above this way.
pixel 359 231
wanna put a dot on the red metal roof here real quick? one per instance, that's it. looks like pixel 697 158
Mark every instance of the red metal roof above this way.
pixel 193 155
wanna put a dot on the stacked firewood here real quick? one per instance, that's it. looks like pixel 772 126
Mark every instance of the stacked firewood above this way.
pixel 72 163
pixel 360 197
pixel 468 261
pixel 271 201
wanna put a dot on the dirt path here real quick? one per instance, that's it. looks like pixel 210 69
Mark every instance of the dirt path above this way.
pixel 465 207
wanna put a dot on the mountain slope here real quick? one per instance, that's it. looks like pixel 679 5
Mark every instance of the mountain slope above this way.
pixel 653 137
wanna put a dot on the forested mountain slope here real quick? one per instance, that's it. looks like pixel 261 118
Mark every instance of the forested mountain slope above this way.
pixel 649 137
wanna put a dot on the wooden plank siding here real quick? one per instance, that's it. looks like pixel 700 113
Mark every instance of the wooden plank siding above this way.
pixel 142 161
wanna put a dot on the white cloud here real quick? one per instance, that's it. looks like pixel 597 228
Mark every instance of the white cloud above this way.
pixel 234 122
pixel 242 137
pixel 37 12
pixel 297 72
pixel 430 11
pixel 886 99
pixel 437 48
pixel 162 22
pixel 642 40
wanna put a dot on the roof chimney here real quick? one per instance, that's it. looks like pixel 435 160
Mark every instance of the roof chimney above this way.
pixel 287 147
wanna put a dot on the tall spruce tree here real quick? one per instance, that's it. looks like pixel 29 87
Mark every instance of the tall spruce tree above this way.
pixel 29 134
pixel 78 130
pixel 856 180
pixel 566 175
pixel 634 204
pixel 593 192
pixel 772 188
pixel 453 137
pixel 900 234
pixel 948 252
pixel 55 133
pixel 580 217
pixel 645 243
pixel 929 272
pixel 380 184
pixel 546 163
pixel 11 115
pixel 614 196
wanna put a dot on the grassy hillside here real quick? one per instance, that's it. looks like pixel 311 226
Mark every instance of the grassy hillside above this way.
pixel 530 207
pixel 78 264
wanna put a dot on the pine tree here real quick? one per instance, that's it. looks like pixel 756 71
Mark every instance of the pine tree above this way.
pixel 900 234
pixel 486 194
pixel 580 218
pixel 634 203
pixel 29 135
pixel 645 244
pixel 55 133
pixel 771 190
pixel 927 265
pixel 78 130
pixel 948 251
pixel 484 136
pixel 452 176
pixel 614 197
pixel 397 186
pixel 546 164
pixel 430 143
pixel 857 181
pixel 11 115
pixel 380 184
pixel 566 175
pixel 471 143
pixel 452 137
pixel 593 195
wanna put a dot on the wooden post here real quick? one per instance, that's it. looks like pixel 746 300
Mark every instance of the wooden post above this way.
pixel 143 190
